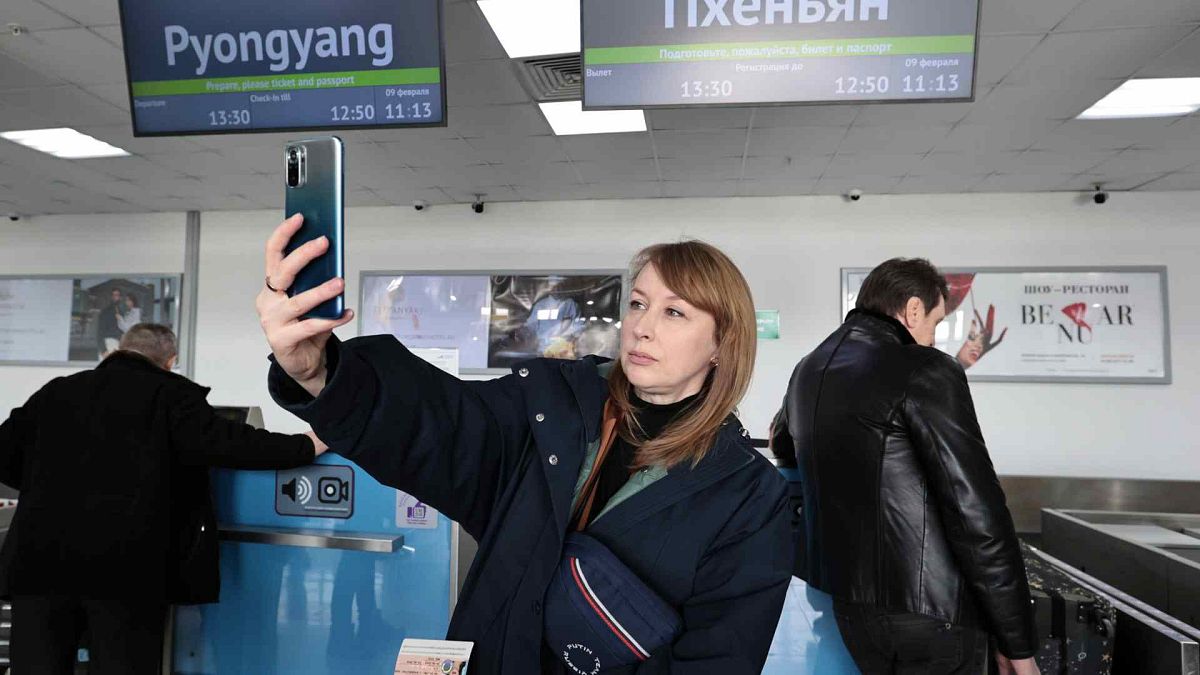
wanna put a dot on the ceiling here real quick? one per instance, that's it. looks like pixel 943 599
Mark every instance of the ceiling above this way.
pixel 1041 62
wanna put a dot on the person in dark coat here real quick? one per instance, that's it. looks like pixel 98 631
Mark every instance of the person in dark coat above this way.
pixel 108 330
pixel 680 497
pixel 906 524
pixel 114 521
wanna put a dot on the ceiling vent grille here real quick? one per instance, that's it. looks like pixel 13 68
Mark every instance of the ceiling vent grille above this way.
pixel 552 78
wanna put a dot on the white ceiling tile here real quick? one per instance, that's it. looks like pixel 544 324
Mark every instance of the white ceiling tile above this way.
pixel 493 193
pixel 133 168
pixel 700 144
pixel 888 140
pixel 701 188
pixel 914 114
pixel 1044 162
pixel 698 118
pixel 539 173
pixel 426 152
pixel 1083 135
pixel 470 38
pixel 1023 17
pixel 557 193
pixel 479 83
pixel 1017 102
pixel 792 141
pixel 1020 182
pixel 1111 181
pixel 73 54
pixel 999 54
pixel 364 198
pixel 625 190
pixel 121 135
pixel 941 183
pixel 1095 14
pixel 114 94
pixel 956 163
pixel 110 33
pixel 617 171
pixel 1012 134
pixel 1138 161
pixel 607 146
pixel 16 75
pixel 87 12
pixel 868 164
pixel 770 117
pixel 466 177
pixel 33 15
pixel 65 105
pixel 777 188
pixel 720 169
pixel 785 169
pixel 1066 58
pixel 1182 60
pixel 1175 181
pixel 522 119
pixel 252 159
pixel 870 185
pixel 518 149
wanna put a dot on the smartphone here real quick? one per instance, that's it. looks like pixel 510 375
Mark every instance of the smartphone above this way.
pixel 315 178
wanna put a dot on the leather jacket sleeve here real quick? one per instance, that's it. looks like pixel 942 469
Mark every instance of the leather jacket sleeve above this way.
pixel 940 416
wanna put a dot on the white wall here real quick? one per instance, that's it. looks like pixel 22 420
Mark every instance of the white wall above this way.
pixel 791 250
pixel 95 244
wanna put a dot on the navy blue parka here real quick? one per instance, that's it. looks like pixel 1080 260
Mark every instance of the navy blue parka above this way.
pixel 502 458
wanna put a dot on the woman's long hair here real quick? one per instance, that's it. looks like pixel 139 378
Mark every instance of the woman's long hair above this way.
pixel 708 280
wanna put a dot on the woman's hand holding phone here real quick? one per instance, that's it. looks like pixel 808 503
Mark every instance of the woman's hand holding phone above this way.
pixel 298 343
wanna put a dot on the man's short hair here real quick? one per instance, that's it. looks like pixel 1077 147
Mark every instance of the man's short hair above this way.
pixel 152 340
pixel 888 287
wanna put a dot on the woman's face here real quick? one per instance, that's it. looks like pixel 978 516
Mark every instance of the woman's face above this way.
pixel 667 345
pixel 129 302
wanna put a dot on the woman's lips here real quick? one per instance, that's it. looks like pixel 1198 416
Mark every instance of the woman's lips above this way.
pixel 640 359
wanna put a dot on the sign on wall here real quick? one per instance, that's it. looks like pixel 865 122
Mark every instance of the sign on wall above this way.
pixel 496 320
pixel 78 320
pixel 1052 324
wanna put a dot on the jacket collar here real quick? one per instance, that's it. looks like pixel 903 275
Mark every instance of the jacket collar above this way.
pixel 882 323
pixel 129 360
pixel 730 452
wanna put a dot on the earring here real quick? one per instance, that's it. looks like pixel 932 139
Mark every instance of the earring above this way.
pixel 714 363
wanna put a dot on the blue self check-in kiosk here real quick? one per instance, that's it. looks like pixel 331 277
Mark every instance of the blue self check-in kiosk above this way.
pixel 324 571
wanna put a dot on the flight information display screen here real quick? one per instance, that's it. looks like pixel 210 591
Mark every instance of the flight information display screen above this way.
pixel 227 66
pixel 679 53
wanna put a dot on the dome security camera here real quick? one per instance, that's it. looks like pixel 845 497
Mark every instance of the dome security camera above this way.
pixel 14 217
pixel 420 205
pixel 1100 196
pixel 477 205
pixel 854 195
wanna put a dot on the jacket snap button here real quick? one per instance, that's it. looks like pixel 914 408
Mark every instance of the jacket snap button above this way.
pixel 524 372
pixel 537 608
pixel 553 460
pixel 540 417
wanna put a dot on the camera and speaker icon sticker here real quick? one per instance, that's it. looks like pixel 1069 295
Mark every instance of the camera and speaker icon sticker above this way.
pixel 315 491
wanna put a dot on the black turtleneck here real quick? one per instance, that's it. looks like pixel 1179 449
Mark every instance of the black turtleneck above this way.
pixel 617 467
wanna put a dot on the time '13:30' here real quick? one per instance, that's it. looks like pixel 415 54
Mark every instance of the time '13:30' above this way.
pixel 706 89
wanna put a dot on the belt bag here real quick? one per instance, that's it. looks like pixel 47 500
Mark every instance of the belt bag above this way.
pixel 600 614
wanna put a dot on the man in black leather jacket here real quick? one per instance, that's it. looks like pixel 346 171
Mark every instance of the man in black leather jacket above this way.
pixel 906 523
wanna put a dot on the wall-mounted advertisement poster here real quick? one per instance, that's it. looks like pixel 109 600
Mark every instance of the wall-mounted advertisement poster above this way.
pixel 48 320
pixel 1052 324
pixel 496 320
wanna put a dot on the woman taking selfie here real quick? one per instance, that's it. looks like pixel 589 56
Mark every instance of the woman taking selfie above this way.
pixel 625 523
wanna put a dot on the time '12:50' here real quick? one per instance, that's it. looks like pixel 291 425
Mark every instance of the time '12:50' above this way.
pixel 391 111
pixel 918 84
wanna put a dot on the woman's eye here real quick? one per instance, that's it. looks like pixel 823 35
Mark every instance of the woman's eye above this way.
pixel 674 312
pixel 636 304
